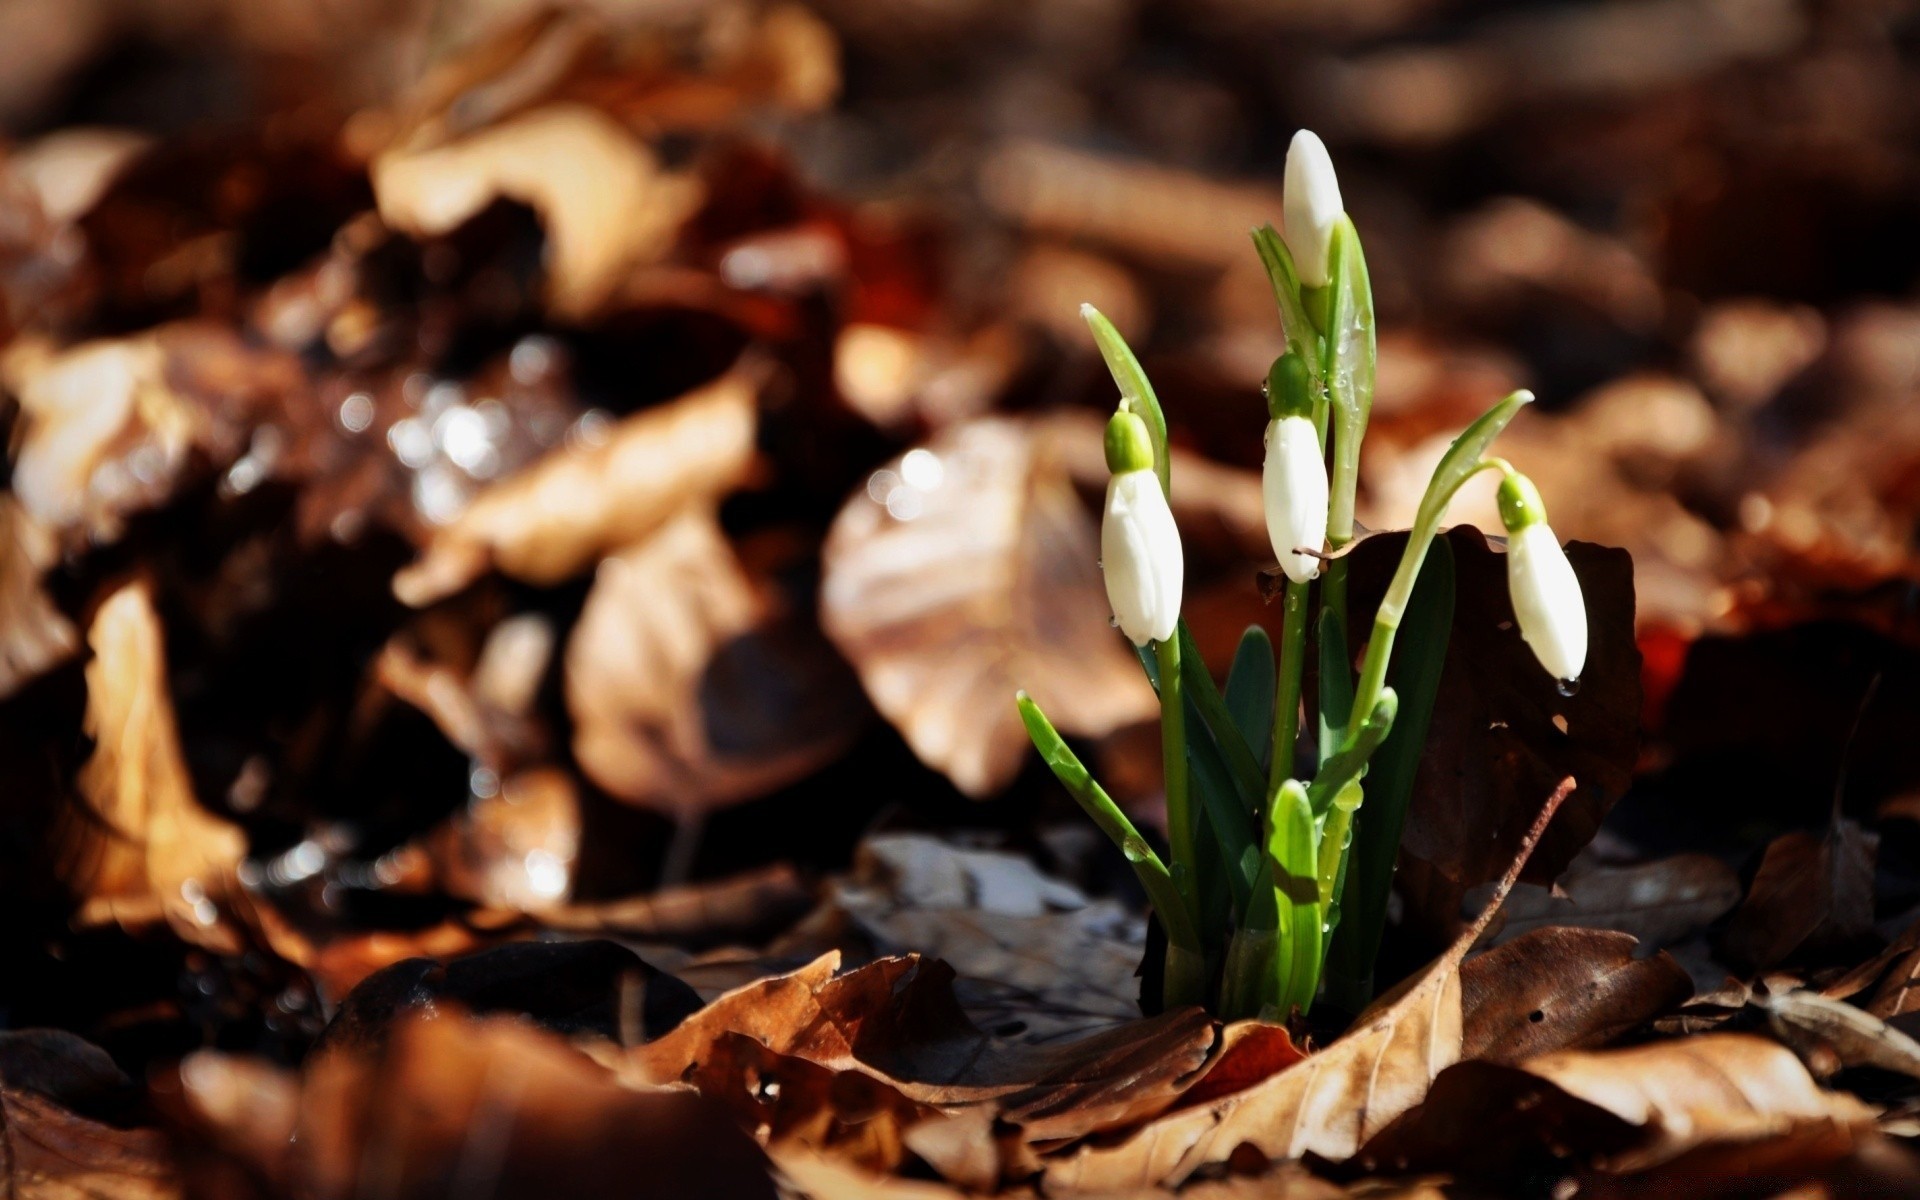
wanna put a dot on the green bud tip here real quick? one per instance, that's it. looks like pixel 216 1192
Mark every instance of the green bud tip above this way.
pixel 1289 391
pixel 1129 445
pixel 1520 503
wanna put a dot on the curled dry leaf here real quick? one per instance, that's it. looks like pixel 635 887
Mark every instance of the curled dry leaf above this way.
pixel 559 516
pixel 1623 1110
pixel 1830 1034
pixel 1329 1104
pixel 144 848
pixel 740 909
pixel 689 685
pixel 1812 894
pixel 1662 902
pixel 605 201
pixel 966 570
pixel 1560 989
pixel 1893 975
pixel 107 426
pixel 52 1144
pixel 34 635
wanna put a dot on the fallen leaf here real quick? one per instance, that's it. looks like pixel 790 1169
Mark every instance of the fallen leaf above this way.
pixel 144 847
pixel 1034 954
pixel 604 199
pixel 1329 1104
pixel 1812 894
pixel 1558 989
pixel 561 514
pixel 739 909
pixel 1893 974
pixel 514 850
pixel 107 426
pixel 448 1104
pixel 1621 1110
pixel 34 635
pixel 49 1150
pixel 574 988
pixel 966 570
pixel 1502 734
pixel 690 685
pixel 1833 1032
pixel 1661 902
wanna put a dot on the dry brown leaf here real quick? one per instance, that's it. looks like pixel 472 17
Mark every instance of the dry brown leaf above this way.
pixel 605 201
pixel 1715 1087
pixel 739 909
pixel 49 1151
pixel 34 635
pixel 1661 902
pixel 107 426
pixel 1031 951
pixel 145 848
pixel 966 570
pixel 1812 894
pixel 1559 989
pixel 452 1105
pixel 1829 1034
pixel 1893 974
pixel 1620 1110
pixel 559 516
pixel 689 686
pixel 1331 1103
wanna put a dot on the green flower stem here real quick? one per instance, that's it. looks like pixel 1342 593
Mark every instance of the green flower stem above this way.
pixel 1286 694
pixel 1154 877
pixel 1462 461
pixel 1173 757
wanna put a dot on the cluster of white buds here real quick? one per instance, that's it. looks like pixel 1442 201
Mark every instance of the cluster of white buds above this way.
pixel 1139 542
pixel 1293 482
pixel 1310 208
pixel 1547 602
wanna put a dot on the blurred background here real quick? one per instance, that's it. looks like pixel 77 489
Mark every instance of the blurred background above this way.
pixel 491 469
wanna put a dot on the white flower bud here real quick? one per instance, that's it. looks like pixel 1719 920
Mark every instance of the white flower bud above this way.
pixel 1310 207
pixel 1547 602
pixel 1140 556
pixel 1294 486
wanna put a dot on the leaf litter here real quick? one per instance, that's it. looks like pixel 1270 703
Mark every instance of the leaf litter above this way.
pixel 514 558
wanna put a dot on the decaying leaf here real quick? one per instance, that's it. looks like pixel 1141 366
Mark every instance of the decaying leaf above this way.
pixel 1893 974
pixel 476 1105
pixel 34 635
pixel 1032 952
pixel 1502 734
pixel 1660 902
pixel 966 570
pixel 49 1148
pixel 1620 1110
pixel 555 519
pixel 1331 1103
pixel 108 425
pixel 144 848
pixel 607 204
pixel 1813 893
pixel 1562 989
pixel 1830 1034
pixel 690 686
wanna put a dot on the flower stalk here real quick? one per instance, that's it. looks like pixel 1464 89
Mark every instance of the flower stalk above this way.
pixel 1256 942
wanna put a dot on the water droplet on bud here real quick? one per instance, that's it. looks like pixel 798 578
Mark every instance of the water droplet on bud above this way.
pixel 1569 687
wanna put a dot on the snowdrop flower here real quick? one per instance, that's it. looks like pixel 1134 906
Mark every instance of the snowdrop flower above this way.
pixel 1293 482
pixel 1546 596
pixel 1310 207
pixel 1139 543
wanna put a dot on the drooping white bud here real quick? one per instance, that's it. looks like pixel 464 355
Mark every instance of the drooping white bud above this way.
pixel 1139 542
pixel 1310 207
pixel 1294 486
pixel 1547 602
